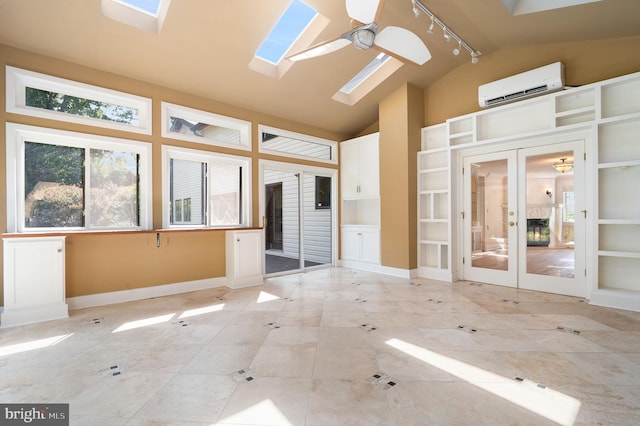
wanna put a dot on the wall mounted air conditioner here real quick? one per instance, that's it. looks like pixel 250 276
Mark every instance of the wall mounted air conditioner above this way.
pixel 539 81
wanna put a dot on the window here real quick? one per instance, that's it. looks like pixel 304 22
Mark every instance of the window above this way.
pixel 296 145
pixel 569 214
pixel 192 125
pixel 323 192
pixel 205 189
pixel 59 180
pixel 41 95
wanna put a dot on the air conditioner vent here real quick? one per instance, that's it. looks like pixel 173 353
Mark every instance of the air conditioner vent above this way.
pixel 521 86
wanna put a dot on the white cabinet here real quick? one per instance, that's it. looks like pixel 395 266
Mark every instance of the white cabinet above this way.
pixel 360 207
pixel 34 280
pixel 360 167
pixel 361 244
pixel 245 257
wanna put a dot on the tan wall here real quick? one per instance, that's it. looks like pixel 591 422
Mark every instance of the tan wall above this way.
pixel 98 262
pixel 400 124
pixel 585 62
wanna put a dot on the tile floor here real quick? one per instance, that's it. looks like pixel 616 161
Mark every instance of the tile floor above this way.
pixel 334 347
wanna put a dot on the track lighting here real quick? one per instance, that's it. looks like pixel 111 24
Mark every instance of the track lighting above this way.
pixel 416 11
pixel 456 51
pixel 430 30
pixel 447 33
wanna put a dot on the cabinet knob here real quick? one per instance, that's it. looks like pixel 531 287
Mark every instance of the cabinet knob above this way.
pixel 59 250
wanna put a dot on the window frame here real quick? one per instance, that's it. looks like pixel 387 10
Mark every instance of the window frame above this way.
pixel 242 126
pixel 19 79
pixel 174 152
pixel 333 145
pixel 18 134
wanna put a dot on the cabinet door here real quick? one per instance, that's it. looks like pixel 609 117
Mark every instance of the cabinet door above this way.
pixel 349 169
pixel 248 254
pixel 350 244
pixel 370 240
pixel 369 167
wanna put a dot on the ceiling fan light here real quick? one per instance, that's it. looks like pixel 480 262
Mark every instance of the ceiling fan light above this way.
pixel 363 39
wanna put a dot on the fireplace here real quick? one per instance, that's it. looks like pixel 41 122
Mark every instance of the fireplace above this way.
pixel 538 232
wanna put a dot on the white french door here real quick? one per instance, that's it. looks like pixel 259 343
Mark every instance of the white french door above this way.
pixel 524 220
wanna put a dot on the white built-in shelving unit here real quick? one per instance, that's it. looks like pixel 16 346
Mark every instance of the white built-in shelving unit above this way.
pixel 610 111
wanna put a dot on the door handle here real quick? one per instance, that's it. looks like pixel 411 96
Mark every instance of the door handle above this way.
pixel 512 223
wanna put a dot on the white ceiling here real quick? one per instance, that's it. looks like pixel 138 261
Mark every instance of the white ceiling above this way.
pixel 205 47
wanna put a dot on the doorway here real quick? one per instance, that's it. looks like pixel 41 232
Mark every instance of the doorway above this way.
pixel 524 221
pixel 298 216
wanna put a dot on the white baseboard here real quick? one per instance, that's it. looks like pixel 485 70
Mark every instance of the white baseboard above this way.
pixel 101 299
pixel 618 299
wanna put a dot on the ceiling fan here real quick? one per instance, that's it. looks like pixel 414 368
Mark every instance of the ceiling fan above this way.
pixel 398 42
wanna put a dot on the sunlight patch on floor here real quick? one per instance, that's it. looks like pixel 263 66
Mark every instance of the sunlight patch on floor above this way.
pixel 545 402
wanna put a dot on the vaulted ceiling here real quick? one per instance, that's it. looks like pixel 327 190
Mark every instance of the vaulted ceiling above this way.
pixel 205 47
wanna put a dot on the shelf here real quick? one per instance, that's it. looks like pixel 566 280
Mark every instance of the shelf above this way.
pixel 575 100
pixel 434 191
pixel 619 222
pixel 434 137
pixel 434 220
pixel 582 115
pixel 619 254
pixel 438 242
pixel 619 164
pixel 436 170
pixel 621 97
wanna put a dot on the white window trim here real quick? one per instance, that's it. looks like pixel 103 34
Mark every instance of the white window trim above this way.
pixel 173 152
pixel 300 136
pixel 18 134
pixel 18 80
pixel 244 127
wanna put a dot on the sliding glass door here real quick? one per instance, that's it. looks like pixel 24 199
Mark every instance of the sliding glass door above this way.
pixel 297 203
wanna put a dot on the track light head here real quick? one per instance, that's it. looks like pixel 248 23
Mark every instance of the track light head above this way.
pixel 447 36
pixel 474 57
pixel 430 30
pixel 456 51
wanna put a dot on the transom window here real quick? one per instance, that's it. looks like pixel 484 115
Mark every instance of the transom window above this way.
pixel 41 95
pixel 59 180
pixel 193 125
pixel 297 145
pixel 205 189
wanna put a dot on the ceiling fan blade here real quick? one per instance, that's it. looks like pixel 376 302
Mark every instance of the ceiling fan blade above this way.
pixel 365 11
pixel 402 44
pixel 320 49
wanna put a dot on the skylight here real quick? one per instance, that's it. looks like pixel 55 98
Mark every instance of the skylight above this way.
pixel 287 30
pixel 149 6
pixel 146 15
pixel 367 79
pixel 522 7
pixel 364 73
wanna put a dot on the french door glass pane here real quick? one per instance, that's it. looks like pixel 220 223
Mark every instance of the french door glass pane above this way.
pixel 550 216
pixel 114 190
pixel 54 186
pixel 489 219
